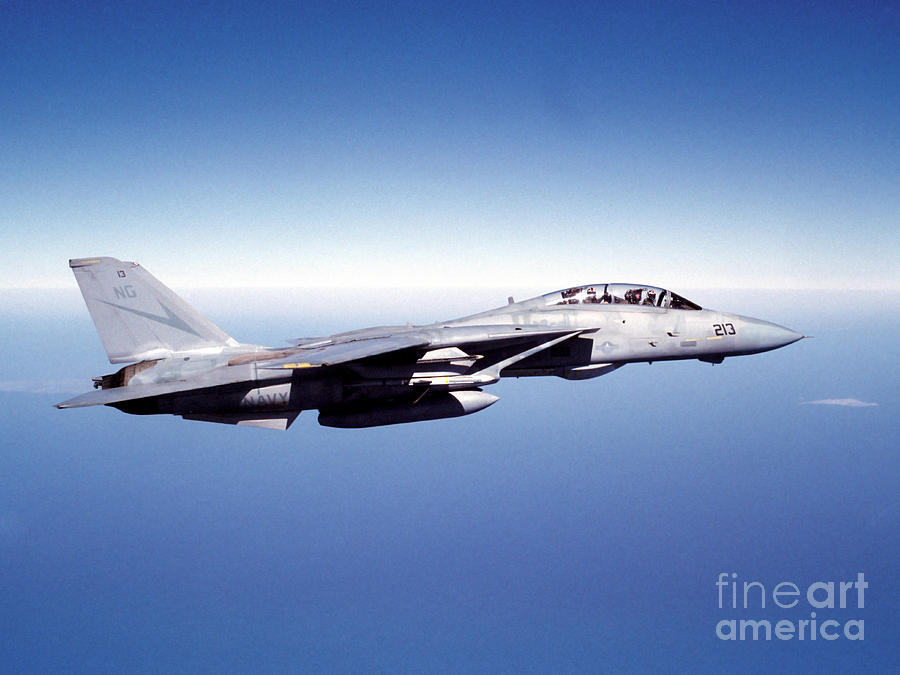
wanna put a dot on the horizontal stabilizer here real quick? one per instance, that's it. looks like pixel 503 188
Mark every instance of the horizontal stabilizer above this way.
pixel 133 392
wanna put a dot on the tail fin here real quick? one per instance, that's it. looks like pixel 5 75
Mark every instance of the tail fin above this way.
pixel 137 316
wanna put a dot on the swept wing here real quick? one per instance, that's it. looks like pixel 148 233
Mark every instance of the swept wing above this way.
pixel 344 352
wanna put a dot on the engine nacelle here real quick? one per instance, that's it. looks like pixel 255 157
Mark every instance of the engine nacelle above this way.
pixel 430 407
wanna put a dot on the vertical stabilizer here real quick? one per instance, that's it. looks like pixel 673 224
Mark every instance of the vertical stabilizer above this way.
pixel 138 317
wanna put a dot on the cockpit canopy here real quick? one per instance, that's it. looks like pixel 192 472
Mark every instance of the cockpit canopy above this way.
pixel 620 294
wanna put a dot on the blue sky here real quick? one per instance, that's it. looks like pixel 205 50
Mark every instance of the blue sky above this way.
pixel 510 145
pixel 485 149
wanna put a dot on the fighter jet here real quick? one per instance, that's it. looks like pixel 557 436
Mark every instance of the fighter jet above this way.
pixel 180 363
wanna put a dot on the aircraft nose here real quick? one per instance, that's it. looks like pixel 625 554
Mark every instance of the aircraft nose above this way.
pixel 761 336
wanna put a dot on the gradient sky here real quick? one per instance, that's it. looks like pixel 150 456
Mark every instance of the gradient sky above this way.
pixel 573 525
pixel 485 144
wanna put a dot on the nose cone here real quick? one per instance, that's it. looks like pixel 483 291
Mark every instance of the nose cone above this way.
pixel 762 336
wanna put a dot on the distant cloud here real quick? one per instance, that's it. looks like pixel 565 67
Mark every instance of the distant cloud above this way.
pixel 846 402
pixel 42 386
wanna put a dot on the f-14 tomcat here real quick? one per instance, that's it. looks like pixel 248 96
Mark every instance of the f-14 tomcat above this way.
pixel 180 363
